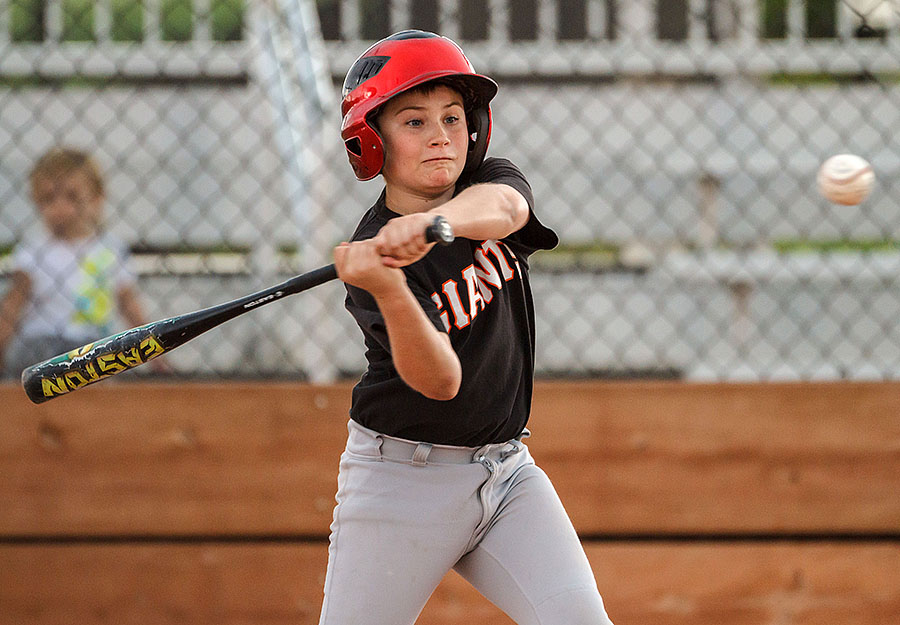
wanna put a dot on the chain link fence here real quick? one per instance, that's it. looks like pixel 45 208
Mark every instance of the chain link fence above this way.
pixel 673 145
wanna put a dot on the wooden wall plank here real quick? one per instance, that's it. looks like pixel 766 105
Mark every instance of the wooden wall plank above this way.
pixel 627 458
pixel 647 583
pixel 711 458
pixel 171 459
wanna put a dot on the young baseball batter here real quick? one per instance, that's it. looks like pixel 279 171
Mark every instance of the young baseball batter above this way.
pixel 436 475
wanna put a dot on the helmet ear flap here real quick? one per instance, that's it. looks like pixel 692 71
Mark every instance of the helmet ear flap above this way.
pixel 365 150
pixel 479 121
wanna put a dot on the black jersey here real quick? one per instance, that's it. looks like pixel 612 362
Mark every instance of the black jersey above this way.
pixel 479 293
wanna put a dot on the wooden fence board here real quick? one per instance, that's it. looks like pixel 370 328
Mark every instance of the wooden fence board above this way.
pixel 723 458
pixel 162 460
pixel 627 458
pixel 646 583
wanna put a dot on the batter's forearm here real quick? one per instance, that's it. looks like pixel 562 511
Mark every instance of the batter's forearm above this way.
pixel 422 355
pixel 485 211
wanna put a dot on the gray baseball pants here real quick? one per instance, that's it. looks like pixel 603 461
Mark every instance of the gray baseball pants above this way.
pixel 409 512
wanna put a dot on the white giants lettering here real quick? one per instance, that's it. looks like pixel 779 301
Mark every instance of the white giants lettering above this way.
pixel 445 316
pixel 460 318
pixel 481 282
pixel 472 284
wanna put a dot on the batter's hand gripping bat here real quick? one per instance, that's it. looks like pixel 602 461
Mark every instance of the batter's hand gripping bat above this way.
pixel 126 350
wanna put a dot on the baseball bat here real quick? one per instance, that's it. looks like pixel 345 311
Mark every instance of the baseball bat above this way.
pixel 126 350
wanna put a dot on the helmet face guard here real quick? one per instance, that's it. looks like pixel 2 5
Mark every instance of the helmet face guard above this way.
pixel 396 64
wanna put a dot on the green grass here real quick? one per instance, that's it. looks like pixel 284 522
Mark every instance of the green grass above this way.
pixel 820 16
pixel 78 20
pixel 127 21
pixel 26 20
pixel 227 19
pixel 822 79
pixel 177 20
pixel 594 248
pixel 788 246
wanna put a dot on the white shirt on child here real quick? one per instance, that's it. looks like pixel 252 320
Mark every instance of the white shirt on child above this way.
pixel 73 285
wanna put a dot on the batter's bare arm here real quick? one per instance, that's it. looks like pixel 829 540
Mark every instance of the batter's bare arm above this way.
pixel 422 355
pixel 485 211
pixel 481 212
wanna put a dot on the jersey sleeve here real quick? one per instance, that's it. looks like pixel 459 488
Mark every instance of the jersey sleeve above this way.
pixel 533 235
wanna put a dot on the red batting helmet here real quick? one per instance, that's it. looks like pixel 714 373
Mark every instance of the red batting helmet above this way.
pixel 398 63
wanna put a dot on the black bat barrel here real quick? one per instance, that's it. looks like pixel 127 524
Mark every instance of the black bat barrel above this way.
pixel 91 363
pixel 126 350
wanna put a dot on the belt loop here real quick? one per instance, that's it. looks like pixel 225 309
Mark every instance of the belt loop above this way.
pixel 380 441
pixel 420 455
pixel 514 446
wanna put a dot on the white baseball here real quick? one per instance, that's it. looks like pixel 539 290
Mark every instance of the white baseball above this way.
pixel 846 179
